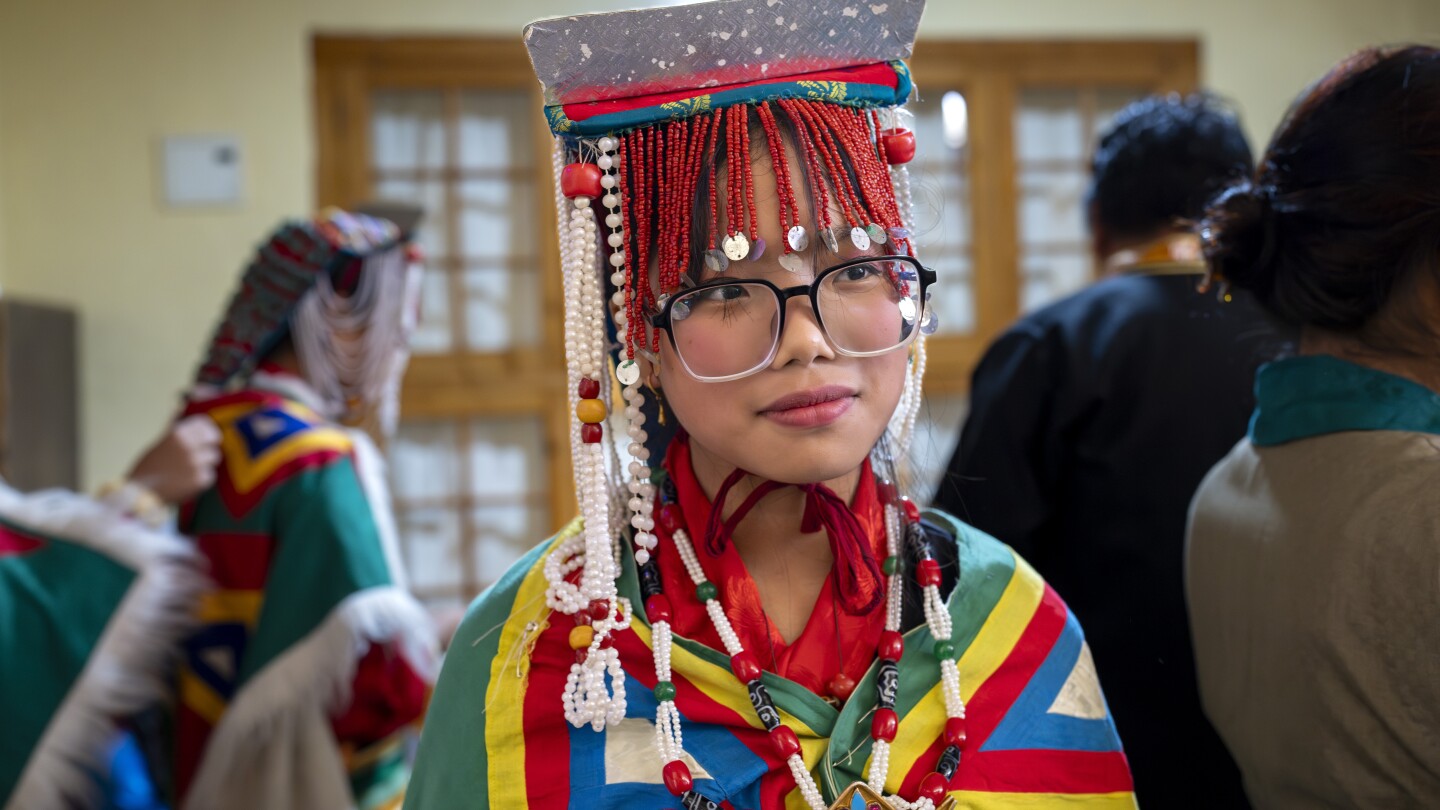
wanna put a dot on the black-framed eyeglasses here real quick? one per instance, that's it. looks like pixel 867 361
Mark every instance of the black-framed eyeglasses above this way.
pixel 724 329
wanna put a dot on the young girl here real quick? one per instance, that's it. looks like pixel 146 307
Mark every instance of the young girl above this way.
pixel 752 615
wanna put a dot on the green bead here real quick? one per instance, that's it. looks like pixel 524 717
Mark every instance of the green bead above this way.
pixel 944 650
pixel 664 690
pixel 705 591
pixel 892 566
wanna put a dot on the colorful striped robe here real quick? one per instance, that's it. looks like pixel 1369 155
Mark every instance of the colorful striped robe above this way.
pixel 302 685
pixel 1040 734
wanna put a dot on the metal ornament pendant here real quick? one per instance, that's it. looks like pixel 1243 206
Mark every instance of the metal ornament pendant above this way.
pixel 716 261
pixel 859 796
pixel 628 372
pixel 859 238
pixel 797 238
pixel 792 262
pixel 736 247
pixel 877 234
pixel 828 236
pixel 907 310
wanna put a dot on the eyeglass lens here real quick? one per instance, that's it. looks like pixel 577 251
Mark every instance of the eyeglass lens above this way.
pixel 729 330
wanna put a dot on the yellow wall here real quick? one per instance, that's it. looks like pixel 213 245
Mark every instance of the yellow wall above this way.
pixel 87 88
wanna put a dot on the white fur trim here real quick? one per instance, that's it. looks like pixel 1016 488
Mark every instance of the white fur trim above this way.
pixel 317 672
pixel 127 671
pixel 371 468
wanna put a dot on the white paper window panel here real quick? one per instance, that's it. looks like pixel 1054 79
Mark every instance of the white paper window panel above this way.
pixel 407 129
pixel 1050 277
pixel 1050 126
pixel 424 462
pixel 1052 207
pixel 507 458
pixel 433 235
pixel 496 130
pixel 502 309
pixel 497 218
pixel 937 433
pixel 953 294
pixel 430 538
pixel 433 334
pixel 503 534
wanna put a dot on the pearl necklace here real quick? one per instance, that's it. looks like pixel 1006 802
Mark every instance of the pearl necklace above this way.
pixel 670 743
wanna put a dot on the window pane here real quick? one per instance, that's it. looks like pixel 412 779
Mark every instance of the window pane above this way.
pixel 508 479
pixel 430 538
pixel 503 534
pixel 434 232
pixel 433 334
pixel 501 310
pixel 940 183
pixel 1048 278
pixel 407 129
pixel 423 462
pixel 496 130
pixel 1049 126
pixel 953 295
pixel 497 219
pixel 1052 207
pixel 1055 134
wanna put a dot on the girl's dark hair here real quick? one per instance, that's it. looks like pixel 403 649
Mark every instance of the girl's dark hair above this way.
pixel 1344 208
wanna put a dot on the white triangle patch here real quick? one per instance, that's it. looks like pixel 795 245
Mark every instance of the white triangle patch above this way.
pixel 221 660
pixel 1080 696
pixel 266 426
pixel 630 754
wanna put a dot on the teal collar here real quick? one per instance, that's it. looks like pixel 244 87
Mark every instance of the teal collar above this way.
pixel 1300 397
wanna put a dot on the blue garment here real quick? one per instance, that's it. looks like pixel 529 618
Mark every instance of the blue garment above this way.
pixel 130 786
pixel 1300 397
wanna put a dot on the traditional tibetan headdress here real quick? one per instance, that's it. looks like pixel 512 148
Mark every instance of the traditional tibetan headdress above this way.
pixel 649 108
pixel 339 272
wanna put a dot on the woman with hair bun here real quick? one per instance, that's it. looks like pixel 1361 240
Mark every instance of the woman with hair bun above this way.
pixel 1314 547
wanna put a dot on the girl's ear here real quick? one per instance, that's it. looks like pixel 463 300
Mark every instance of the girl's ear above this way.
pixel 649 369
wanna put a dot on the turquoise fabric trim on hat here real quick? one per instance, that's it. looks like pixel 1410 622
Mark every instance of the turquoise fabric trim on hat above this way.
pixel 1301 397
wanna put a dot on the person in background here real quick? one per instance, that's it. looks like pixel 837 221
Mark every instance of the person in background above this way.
pixel 95 597
pixel 1314 547
pixel 1092 421
pixel 304 685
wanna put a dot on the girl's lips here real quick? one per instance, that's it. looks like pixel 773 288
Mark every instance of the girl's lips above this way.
pixel 813 408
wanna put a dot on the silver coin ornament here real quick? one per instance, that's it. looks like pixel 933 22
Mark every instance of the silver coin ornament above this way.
pixel 828 237
pixel 877 234
pixel 793 263
pixel 859 238
pixel 931 324
pixel 628 372
pixel 716 261
pixel 736 247
pixel 758 249
pixel 907 310
pixel 797 238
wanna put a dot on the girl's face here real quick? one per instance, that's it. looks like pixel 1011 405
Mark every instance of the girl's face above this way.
pixel 812 414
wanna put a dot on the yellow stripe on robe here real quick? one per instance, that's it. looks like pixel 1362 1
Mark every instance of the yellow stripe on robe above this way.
pixel 997 637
